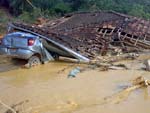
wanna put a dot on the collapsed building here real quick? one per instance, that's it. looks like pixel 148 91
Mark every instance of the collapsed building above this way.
pixel 93 33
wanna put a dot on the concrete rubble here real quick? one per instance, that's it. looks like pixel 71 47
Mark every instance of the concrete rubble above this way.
pixel 95 33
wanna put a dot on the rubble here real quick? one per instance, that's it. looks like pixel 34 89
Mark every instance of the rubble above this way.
pixel 93 33
pixel 139 82
pixel 74 72
pixel 118 67
pixel 147 64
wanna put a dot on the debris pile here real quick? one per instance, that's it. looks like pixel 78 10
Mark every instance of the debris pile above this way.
pixel 139 82
pixel 93 33
pixel 147 64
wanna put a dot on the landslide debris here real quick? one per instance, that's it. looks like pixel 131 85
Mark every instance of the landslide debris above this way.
pixel 95 33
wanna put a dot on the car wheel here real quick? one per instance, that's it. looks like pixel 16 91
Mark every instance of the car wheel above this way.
pixel 34 61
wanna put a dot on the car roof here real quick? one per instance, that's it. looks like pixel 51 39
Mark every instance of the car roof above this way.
pixel 22 34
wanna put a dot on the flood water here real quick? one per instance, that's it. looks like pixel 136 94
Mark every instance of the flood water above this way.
pixel 47 89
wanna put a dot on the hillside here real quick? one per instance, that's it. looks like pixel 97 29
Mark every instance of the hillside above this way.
pixel 5 17
pixel 29 10
pixel 46 8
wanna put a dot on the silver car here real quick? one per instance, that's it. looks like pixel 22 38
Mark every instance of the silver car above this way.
pixel 24 46
pixel 35 48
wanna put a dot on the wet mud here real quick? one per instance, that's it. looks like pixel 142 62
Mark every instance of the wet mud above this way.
pixel 47 89
pixel 7 64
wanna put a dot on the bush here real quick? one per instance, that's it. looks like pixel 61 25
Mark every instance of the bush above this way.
pixel 30 17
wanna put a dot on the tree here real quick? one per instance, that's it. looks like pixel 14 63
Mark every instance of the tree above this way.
pixel 18 6
pixel 60 7
pixel 137 10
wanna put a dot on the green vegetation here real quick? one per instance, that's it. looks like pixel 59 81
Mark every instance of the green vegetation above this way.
pixel 4 18
pixel 28 10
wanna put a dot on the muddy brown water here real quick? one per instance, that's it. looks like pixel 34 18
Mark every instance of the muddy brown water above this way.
pixel 46 89
pixel 7 64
